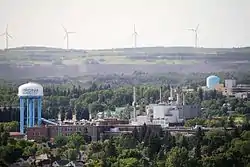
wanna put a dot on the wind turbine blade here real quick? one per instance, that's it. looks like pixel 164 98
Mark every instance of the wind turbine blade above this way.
pixel 191 29
pixel 64 28
pixel 6 30
pixel 197 27
pixel 134 28
pixel 9 36
pixel 71 32
pixel 2 34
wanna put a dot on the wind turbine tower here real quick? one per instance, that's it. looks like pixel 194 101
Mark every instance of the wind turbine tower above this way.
pixel 196 34
pixel 7 36
pixel 67 35
pixel 135 34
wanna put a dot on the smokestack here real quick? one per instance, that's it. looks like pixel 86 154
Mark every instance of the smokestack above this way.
pixel 183 100
pixel 134 103
pixel 160 95
pixel 178 100
pixel 171 92
pixel 74 118
pixel 171 95
pixel 90 116
pixel 59 118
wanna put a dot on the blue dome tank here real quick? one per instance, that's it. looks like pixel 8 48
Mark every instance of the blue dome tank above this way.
pixel 212 81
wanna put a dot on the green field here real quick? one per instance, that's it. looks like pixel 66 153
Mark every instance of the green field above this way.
pixel 124 60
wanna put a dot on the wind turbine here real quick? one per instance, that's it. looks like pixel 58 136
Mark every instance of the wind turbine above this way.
pixel 135 37
pixel 67 35
pixel 196 35
pixel 7 36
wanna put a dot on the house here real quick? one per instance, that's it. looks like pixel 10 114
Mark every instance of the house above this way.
pixel 42 160
pixel 67 163
pixel 63 163
pixel 23 162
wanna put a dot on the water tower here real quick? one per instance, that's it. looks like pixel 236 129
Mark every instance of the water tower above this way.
pixel 30 95
pixel 212 81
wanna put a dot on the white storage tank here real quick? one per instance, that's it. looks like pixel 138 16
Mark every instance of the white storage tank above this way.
pixel 212 81
pixel 30 89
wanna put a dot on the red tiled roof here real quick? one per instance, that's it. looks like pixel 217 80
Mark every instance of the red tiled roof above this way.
pixel 15 134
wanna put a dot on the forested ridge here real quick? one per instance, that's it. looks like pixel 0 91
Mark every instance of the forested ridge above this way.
pixel 98 98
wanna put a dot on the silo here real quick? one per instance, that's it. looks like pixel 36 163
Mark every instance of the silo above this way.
pixel 212 81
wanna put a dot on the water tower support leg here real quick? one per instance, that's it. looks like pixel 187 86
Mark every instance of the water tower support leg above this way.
pixel 30 112
pixel 21 115
pixel 33 112
pixel 39 112
pixel 27 112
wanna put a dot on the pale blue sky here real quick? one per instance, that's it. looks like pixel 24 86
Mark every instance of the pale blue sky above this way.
pixel 109 23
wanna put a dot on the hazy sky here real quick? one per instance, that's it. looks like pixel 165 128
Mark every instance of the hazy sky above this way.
pixel 109 23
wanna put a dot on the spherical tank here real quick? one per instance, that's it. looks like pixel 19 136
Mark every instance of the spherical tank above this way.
pixel 30 89
pixel 212 81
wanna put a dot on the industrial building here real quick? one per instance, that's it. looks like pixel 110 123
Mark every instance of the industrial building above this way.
pixel 171 112
pixel 95 132
pixel 231 88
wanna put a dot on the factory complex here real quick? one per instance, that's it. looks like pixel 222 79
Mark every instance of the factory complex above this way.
pixel 166 114
pixel 228 88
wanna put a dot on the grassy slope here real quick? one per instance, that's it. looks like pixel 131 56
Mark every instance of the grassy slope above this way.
pixel 42 55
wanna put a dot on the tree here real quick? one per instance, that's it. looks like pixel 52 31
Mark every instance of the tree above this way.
pixel 183 142
pixel 61 141
pixel 75 141
pixel 31 151
pixel 110 149
pixel 129 162
pixel 177 157
pixel 154 145
pixel 200 92
pixel 136 134
pixel 199 138
pixel 71 154
pixel 166 141
pixel 143 132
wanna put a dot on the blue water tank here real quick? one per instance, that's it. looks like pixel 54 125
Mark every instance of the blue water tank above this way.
pixel 212 81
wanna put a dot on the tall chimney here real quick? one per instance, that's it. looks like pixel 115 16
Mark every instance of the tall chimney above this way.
pixel 178 100
pixel 134 103
pixel 171 92
pixel 74 118
pixel 183 100
pixel 90 116
pixel 160 95
pixel 59 118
